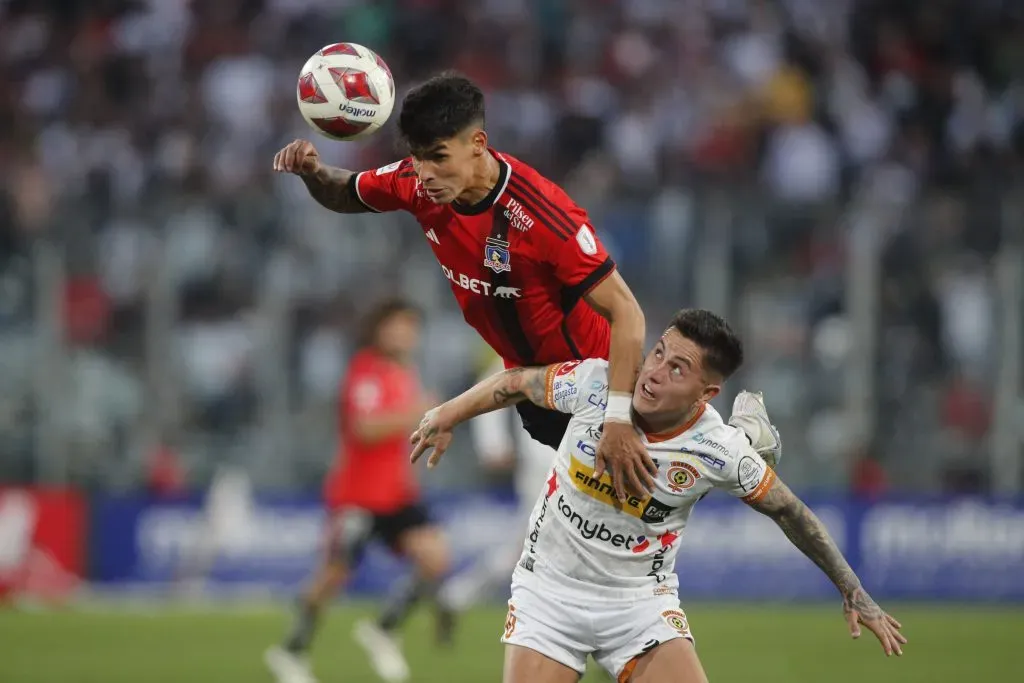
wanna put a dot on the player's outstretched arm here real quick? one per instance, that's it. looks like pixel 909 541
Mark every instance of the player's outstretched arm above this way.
pixel 328 185
pixel 803 528
pixel 494 393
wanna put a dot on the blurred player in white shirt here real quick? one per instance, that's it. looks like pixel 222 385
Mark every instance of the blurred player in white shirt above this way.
pixel 596 576
pixel 501 443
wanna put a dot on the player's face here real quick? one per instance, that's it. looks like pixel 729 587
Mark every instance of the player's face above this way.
pixel 673 379
pixel 449 167
pixel 399 335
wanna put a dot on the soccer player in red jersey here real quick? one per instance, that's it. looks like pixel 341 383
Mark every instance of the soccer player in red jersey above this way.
pixel 372 491
pixel 524 262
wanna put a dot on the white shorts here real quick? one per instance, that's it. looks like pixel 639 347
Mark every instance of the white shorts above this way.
pixel 567 627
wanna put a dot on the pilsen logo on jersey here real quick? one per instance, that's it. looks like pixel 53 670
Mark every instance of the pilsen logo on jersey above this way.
pixel 496 255
pixel 517 216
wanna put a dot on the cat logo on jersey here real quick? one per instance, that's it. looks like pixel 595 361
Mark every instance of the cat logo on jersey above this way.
pixel 681 476
pixel 497 256
pixel 676 620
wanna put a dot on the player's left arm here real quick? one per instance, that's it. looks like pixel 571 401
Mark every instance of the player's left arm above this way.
pixel 804 530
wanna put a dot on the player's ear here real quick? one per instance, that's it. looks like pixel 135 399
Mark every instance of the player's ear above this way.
pixel 479 142
pixel 710 391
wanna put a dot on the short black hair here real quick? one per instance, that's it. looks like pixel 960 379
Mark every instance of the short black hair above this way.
pixel 440 109
pixel 380 314
pixel 723 350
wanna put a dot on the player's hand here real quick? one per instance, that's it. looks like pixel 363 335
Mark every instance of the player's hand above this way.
pixel 621 453
pixel 299 157
pixel 433 432
pixel 860 608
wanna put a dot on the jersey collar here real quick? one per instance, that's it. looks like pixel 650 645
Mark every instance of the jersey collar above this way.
pixel 667 436
pixel 504 171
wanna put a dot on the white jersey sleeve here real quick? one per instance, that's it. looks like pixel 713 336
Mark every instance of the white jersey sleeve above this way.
pixel 731 464
pixel 576 385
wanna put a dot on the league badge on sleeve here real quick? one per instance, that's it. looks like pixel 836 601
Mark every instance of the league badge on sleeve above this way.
pixel 585 238
pixel 497 256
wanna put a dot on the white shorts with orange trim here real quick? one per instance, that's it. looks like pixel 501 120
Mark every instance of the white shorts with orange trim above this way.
pixel 568 627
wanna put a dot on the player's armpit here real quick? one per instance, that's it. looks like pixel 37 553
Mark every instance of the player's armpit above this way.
pixel 334 189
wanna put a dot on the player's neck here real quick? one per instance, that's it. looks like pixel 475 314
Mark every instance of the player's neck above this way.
pixel 668 424
pixel 485 177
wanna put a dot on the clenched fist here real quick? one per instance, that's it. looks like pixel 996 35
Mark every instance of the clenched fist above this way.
pixel 299 157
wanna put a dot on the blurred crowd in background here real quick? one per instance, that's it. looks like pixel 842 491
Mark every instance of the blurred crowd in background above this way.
pixel 168 304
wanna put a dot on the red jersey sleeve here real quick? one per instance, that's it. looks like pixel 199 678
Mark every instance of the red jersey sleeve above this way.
pixel 579 258
pixel 388 188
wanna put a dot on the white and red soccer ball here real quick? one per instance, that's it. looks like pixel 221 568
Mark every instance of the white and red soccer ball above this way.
pixel 345 91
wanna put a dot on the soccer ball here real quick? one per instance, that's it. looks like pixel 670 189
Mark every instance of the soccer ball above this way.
pixel 345 91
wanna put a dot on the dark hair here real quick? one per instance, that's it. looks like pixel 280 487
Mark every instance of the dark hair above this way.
pixel 723 350
pixel 380 314
pixel 440 109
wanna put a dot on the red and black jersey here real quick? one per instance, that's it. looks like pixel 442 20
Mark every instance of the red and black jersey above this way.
pixel 374 476
pixel 519 261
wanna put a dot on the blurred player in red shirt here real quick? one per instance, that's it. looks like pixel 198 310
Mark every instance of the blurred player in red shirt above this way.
pixel 372 492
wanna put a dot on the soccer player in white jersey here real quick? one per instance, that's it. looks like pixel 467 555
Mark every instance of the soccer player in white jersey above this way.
pixel 596 576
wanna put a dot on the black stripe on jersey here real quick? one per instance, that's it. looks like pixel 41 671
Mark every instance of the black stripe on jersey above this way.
pixel 352 180
pixel 407 174
pixel 508 312
pixel 573 349
pixel 558 217
pixel 543 217
pixel 572 295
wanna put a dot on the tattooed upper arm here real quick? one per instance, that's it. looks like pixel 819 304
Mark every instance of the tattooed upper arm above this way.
pixel 331 187
pixel 777 500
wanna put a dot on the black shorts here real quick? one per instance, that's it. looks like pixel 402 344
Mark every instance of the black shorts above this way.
pixel 546 426
pixel 350 529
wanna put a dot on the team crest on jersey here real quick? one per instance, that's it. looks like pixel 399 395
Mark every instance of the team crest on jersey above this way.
pixel 681 476
pixel 497 256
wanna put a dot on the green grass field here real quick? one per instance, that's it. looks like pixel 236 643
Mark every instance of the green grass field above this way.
pixel 766 644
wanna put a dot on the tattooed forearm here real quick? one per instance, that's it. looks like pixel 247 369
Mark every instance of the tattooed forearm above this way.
pixel 330 187
pixel 803 528
pixel 498 391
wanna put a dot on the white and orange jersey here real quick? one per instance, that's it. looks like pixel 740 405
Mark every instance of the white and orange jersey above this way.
pixel 581 534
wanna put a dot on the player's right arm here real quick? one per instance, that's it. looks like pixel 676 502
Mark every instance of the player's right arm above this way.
pixel 329 186
pixel 545 386
pixel 341 190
